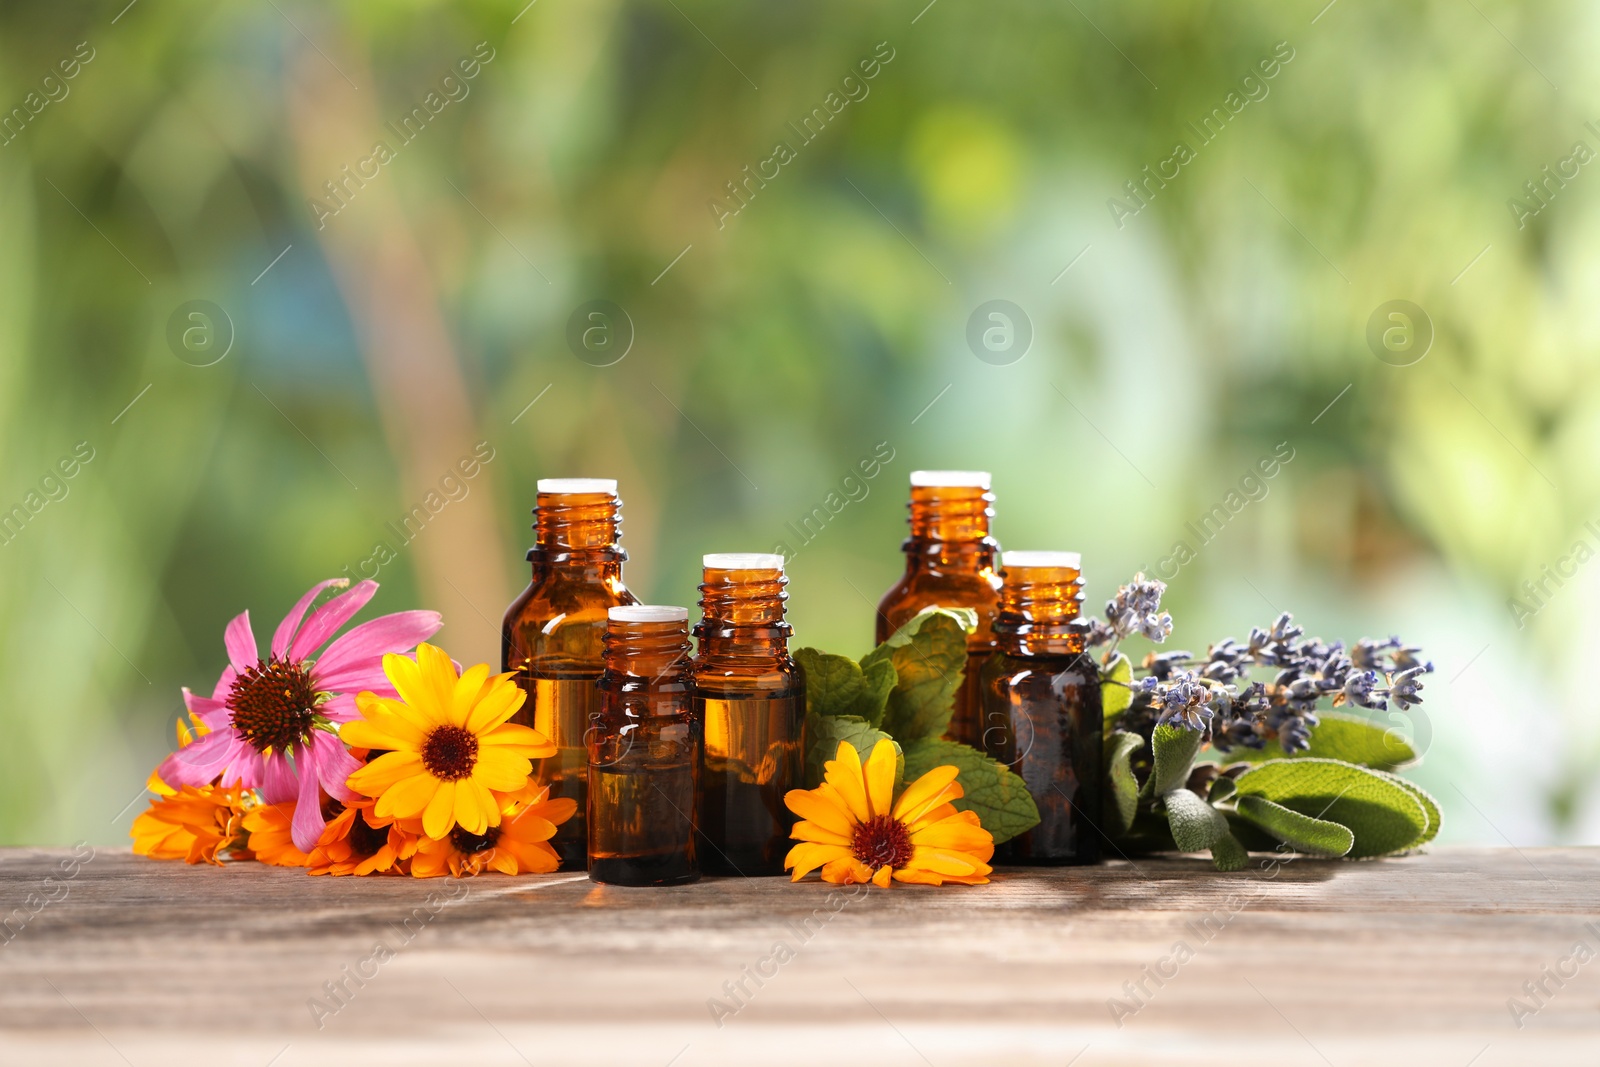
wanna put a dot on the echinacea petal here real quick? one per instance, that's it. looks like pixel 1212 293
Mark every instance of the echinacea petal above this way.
pixel 280 783
pixel 327 619
pixel 333 764
pixel 225 683
pixel 284 634
pixel 353 653
pixel 878 776
pixel 198 763
pixel 241 643
pixel 307 824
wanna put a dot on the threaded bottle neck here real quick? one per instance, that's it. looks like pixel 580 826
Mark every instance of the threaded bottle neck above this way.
pixel 580 526
pixel 1041 598
pixel 648 641
pixel 742 603
pixel 950 513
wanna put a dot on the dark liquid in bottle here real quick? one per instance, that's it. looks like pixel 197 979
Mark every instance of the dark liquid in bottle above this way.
pixel 753 755
pixel 644 823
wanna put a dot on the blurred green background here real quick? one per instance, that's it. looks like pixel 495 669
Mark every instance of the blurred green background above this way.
pixel 588 156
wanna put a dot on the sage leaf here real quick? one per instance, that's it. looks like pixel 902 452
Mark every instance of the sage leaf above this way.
pixel 1429 805
pixel 998 796
pixel 1196 825
pixel 1174 749
pixel 1122 798
pixel 1342 737
pixel 1317 837
pixel 929 656
pixel 1116 689
pixel 1227 854
pixel 1385 817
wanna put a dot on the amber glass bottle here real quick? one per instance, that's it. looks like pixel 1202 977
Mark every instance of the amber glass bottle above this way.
pixel 1041 707
pixel 552 633
pixel 644 752
pixel 749 697
pixel 950 563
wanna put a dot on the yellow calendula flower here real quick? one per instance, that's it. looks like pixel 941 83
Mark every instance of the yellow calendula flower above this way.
pixel 519 845
pixel 856 831
pixel 447 747
pixel 270 835
pixel 198 825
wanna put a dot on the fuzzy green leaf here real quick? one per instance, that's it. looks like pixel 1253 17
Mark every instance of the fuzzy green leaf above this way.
pixel 1342 737
pixel 1000 798
pixel 1174 749
pixel 1196 825
pixel 1383 815
pixel 929 655
pixel 1221 789
pixel 826 731
pixel 1122 798
pixel 1317 837
pixel 836 685
pixel 1228 855
pixel 1116 689
pixel 1424 798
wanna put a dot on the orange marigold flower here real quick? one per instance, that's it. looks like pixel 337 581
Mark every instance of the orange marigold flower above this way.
pixel 194 824
pixel 357 841
pixel 270 829
pixel 856 832
pixel 519 844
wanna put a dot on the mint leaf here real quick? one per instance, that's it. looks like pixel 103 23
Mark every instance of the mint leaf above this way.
pixel 1342 737
pixel 836 685
pixel 826 731
pixel 1174 749
pixel 1196 825
pixel 1383 815
pixel 929 655
pixel 1116 689
pixel 1122 798
pixel 1317 837
pixel 1429 805
pixel 1228 855
pixel 1000 798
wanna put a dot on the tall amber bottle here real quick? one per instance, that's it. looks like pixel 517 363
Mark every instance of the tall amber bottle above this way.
pixel 644 752
pixel 552 633
pixel 1041 707
pixel 950 562
pixel 749 697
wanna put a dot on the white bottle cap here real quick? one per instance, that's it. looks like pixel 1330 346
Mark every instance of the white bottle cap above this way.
pixel 743 561
pixel 951 479
pixel 578 485
pixel 648 613
pixel 1024 560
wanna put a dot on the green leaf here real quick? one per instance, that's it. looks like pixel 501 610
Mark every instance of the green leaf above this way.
pixel 929 655
pixel 1116 689
pixel 1196 825
pixel 1228 855
pixel 1383 815
pixel 1174 749
pixel 826 731
pixel 1122 798
pixel 1424 798
pixel 1221 789
pixel 836 685
pixel 1317 837
pixel 1342 737
pixel 1000 798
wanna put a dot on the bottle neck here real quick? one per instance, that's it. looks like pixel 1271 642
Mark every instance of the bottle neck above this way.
pixel 950 530
pixel 1039 612
pixel 583 529
pixel 658 651
pixel 741 616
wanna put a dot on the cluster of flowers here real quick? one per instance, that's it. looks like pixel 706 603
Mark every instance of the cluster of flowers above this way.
pixel 1204 694
pixel 343 755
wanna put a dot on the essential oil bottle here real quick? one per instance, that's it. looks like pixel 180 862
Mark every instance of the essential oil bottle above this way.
pixel 552 633
pixel 644 752
pixel 750 701
pixel 1041 707
pixel 950 562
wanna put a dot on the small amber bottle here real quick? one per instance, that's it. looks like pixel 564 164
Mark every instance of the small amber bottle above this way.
pixel 1041 707
pixel 552 633
pixel 749 697
pixel 644 752
pixel 950 563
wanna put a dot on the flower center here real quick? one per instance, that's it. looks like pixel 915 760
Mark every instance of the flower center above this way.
pixel 882 842
pixel 450 752
pixel 366 840
pixel 273 704
pixel 474 843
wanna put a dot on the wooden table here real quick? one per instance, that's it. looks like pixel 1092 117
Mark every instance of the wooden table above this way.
pixel 1407 961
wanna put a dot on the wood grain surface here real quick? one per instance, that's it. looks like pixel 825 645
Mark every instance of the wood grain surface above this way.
pixel 1411 961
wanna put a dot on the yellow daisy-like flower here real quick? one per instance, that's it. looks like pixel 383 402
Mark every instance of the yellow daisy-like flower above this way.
pixel 269 828
pixel 856 832
pixel 447 747
pixel 519 845
pixel 195 825
pixel 358 842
